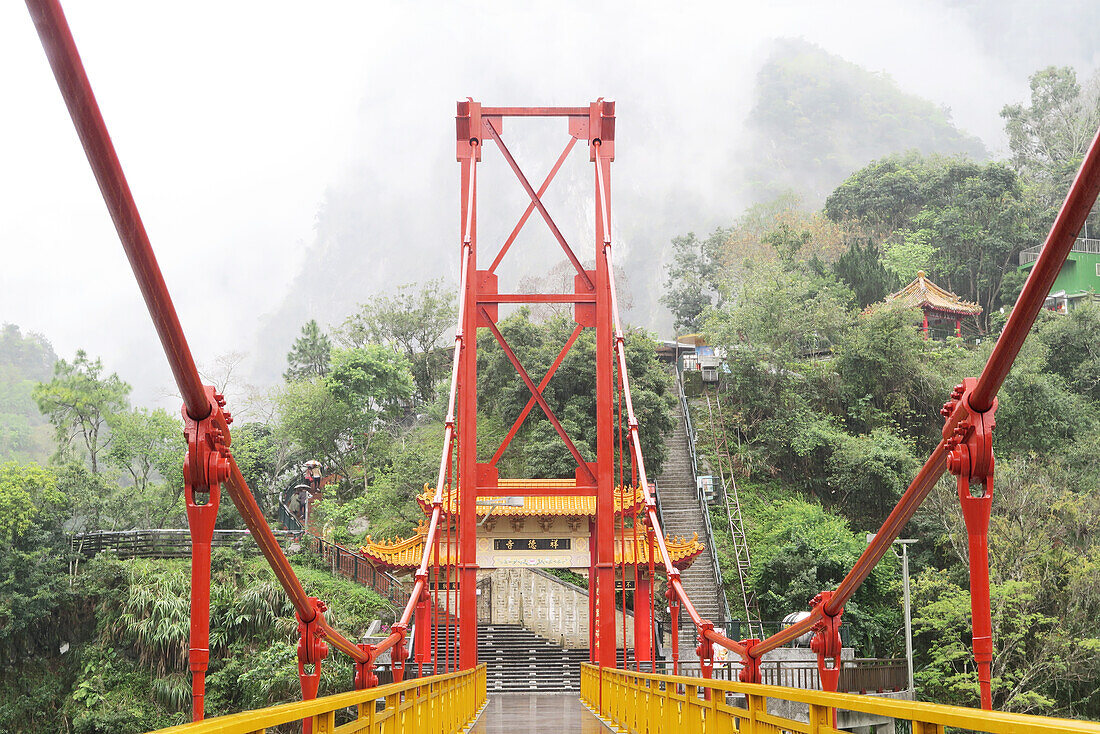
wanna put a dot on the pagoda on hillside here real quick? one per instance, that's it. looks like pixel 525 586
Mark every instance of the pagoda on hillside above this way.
pixel 941 308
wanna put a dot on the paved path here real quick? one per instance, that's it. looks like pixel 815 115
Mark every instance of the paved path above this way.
pixel 537 713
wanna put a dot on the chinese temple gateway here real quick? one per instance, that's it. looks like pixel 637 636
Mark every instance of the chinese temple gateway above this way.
pixel 535 531
pixel 519 536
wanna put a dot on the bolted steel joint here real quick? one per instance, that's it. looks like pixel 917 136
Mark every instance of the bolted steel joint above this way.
pixel 969 434
pixel 750 665
pixel 207 464
pixel 364 672
pixel 312 649
pixel 705 649
pixel 826 642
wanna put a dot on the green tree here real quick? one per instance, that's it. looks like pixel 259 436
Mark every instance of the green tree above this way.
pixel 36 602
pixel 321 426
pixel 862 270
pixel 25 360
pixel 910 253
pixel 800 549
pixel 264 454
pixel 1048 138
pixel 969 221
pixel 145 443
pixel 780 312
pixel 1074 344
pixel 867 475
pixel 373 379
pixel 412 322
pixel 309 356
pixel 886 381
pixel 692 284
pixel 1038 412
pixel 26 490
pixel 377 383
pixel 80 402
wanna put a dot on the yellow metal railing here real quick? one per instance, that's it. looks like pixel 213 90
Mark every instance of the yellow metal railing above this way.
pixel 647 702
pixel 440 704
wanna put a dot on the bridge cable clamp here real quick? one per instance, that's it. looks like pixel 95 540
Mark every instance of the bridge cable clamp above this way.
pixel 826 642
pixel 969 437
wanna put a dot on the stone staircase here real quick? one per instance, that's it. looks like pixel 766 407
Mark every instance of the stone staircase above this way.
pixel 683 515
pixel 518 660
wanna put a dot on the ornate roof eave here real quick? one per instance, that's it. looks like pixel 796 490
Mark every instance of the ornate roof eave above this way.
pixel 405 554
pixel 926 295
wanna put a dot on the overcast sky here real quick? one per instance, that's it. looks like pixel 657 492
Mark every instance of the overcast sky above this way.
pixel 233 119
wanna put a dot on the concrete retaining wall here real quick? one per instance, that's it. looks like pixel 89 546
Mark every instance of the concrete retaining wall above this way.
pixel 546 605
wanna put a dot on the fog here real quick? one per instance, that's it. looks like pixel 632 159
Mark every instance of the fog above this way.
pixel 291 160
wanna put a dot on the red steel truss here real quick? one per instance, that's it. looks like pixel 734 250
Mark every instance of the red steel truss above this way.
pixel 437 596
pixel 591 297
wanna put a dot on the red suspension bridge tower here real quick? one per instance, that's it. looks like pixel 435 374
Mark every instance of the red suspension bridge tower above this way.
pixel 476 127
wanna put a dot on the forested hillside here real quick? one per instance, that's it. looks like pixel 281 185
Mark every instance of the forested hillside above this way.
pixel 100 645
pixel 832 402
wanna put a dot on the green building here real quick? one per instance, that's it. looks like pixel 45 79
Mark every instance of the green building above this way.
pixel 1079 279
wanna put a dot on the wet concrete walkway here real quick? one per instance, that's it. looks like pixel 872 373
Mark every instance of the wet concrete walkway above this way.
pixel 537 713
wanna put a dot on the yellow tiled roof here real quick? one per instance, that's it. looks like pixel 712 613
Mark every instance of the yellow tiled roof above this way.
pixel 405 553
pixel 923 293
pixel 545 506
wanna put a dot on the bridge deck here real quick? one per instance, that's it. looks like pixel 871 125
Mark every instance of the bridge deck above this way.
pixel 536 713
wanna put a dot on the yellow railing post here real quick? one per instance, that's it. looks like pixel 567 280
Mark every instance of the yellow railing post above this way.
pixel 324 723
pixel 820 719
pixel 757 705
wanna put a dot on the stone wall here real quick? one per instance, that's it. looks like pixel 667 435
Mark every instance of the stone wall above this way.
pixel 546 605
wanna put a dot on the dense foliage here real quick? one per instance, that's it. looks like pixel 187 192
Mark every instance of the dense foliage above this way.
pixel 113 657
pixel 537 450
pixel 830 409
pixel 25 360
pixel 101 645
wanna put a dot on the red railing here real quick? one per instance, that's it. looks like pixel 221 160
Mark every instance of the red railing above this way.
pixel 354 566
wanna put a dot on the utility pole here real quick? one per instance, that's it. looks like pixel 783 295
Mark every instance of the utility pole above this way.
pixel 908 616
pixel 904 543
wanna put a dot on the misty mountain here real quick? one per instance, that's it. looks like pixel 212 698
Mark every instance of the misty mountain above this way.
pixel 1024 35
pixel 816 118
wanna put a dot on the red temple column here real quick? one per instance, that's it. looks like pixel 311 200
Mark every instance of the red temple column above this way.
pixel 643 622
pixel 592 591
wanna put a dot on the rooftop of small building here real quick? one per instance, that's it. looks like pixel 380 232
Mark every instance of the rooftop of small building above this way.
pixel 924 294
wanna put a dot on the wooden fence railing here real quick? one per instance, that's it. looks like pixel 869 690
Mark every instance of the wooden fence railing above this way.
pixel 161 543
pixel 176 543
